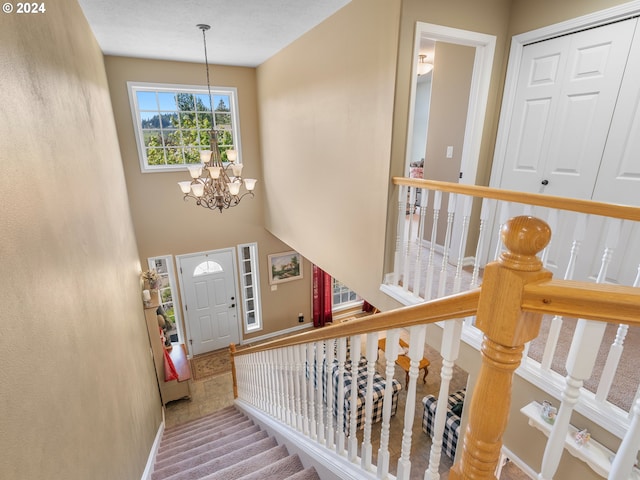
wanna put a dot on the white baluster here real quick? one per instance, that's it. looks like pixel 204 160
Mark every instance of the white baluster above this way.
pixel 286 383
pixel 627 452
pixel 277 392
pixel 311 388
pixel 406 246
pixel 556 323
pixel 457 281
pixel 580 361
pixel 613 359
pixel 450 350
pixel 297 374
pixel 391 354
pixel 488 205
pixel 272 385
pixel 552 221
pixel 304 401
pixel 319 391
pixel 397 257
pixel 451 210
pixel 290 371
pixel 416 352
pixel 330 349
pixel 372 354
pixel 340 413
pixel 424 201
pixel 282 398
pixel 437 202
pixel 353 403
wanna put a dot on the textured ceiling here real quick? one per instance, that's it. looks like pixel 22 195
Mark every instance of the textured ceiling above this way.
pixel 243 32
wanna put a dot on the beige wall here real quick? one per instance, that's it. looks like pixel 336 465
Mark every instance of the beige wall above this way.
pixel 167 225
pixel 448 110
pixel 326 105
pixel 527 16
pixel 78 388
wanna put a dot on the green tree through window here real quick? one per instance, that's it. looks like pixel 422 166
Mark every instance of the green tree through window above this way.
pixel 174 125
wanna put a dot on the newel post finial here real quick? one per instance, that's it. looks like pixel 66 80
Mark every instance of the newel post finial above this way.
pixel 506 329
pixel 524 237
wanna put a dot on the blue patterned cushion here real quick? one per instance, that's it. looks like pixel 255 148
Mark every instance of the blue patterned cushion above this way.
pixel 452 424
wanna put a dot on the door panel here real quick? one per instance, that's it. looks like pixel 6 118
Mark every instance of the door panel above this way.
pixel 564 103
pixel 209 296
pixel 619 176
pixel 566 94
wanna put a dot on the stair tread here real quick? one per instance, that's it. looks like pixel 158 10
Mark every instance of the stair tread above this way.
pixel 280 470
pixel 306 474
pixel 249 465
pixel 239 434
pixel 186 425
pixel 230 460
pixel 201 427
pixel 193 461
pixel 201 439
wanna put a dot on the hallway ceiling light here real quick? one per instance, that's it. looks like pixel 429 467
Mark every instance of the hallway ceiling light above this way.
pixel 216 184
pixel 424 67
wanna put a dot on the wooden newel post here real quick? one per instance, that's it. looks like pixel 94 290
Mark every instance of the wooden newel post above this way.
pixel 232 351
pixel 506 329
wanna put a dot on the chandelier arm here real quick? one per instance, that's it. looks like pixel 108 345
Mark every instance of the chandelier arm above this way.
pixel 212 181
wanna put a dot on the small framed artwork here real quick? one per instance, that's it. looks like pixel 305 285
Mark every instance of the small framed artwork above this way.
pixel 284 267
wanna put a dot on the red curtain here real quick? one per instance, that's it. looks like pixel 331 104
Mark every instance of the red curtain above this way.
pixel 367 307
pixel 322 296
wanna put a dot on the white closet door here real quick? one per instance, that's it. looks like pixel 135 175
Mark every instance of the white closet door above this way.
pixel 567 91
pixel 619 176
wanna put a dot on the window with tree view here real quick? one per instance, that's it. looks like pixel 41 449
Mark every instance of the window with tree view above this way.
pixel 173 123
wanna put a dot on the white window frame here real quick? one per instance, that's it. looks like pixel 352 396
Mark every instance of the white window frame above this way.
pixel 250 281
pixel 341 306
pixel 134 87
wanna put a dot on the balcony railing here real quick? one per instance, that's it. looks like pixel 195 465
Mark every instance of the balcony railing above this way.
pixel 309 382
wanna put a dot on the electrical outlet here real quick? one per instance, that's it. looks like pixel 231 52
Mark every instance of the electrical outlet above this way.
pixel 301 318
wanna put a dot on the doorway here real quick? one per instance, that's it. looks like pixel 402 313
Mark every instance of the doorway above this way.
pixel 481 47
pixel 426 39
pixel 209 299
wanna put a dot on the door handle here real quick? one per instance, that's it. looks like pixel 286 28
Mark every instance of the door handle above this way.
pixel 545 182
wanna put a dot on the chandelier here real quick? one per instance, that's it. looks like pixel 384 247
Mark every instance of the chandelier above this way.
pixel 216 184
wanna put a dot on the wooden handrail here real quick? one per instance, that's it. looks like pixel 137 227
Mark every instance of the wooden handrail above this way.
pixel 609 303
pixel 624 212
pixel 445 308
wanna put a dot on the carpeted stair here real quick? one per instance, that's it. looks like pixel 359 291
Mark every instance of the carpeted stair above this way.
pixel 225 445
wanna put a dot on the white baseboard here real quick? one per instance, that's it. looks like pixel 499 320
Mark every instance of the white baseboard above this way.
pixel 148 469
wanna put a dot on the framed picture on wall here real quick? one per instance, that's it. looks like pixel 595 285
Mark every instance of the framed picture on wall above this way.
pixel 284 267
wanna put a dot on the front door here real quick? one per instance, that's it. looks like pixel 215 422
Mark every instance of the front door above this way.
pixel 210 300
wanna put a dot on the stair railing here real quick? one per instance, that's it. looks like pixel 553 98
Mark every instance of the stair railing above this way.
pixel 592 241
pixel 516 291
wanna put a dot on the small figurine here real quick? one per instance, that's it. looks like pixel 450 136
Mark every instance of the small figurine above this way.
pixel 582 437
pixel 548 412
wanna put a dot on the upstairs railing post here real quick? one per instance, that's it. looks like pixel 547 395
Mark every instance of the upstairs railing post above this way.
pixel 506 329
pixel 232 351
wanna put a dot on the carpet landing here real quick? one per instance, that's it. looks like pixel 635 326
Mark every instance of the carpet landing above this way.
pixel 225 445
